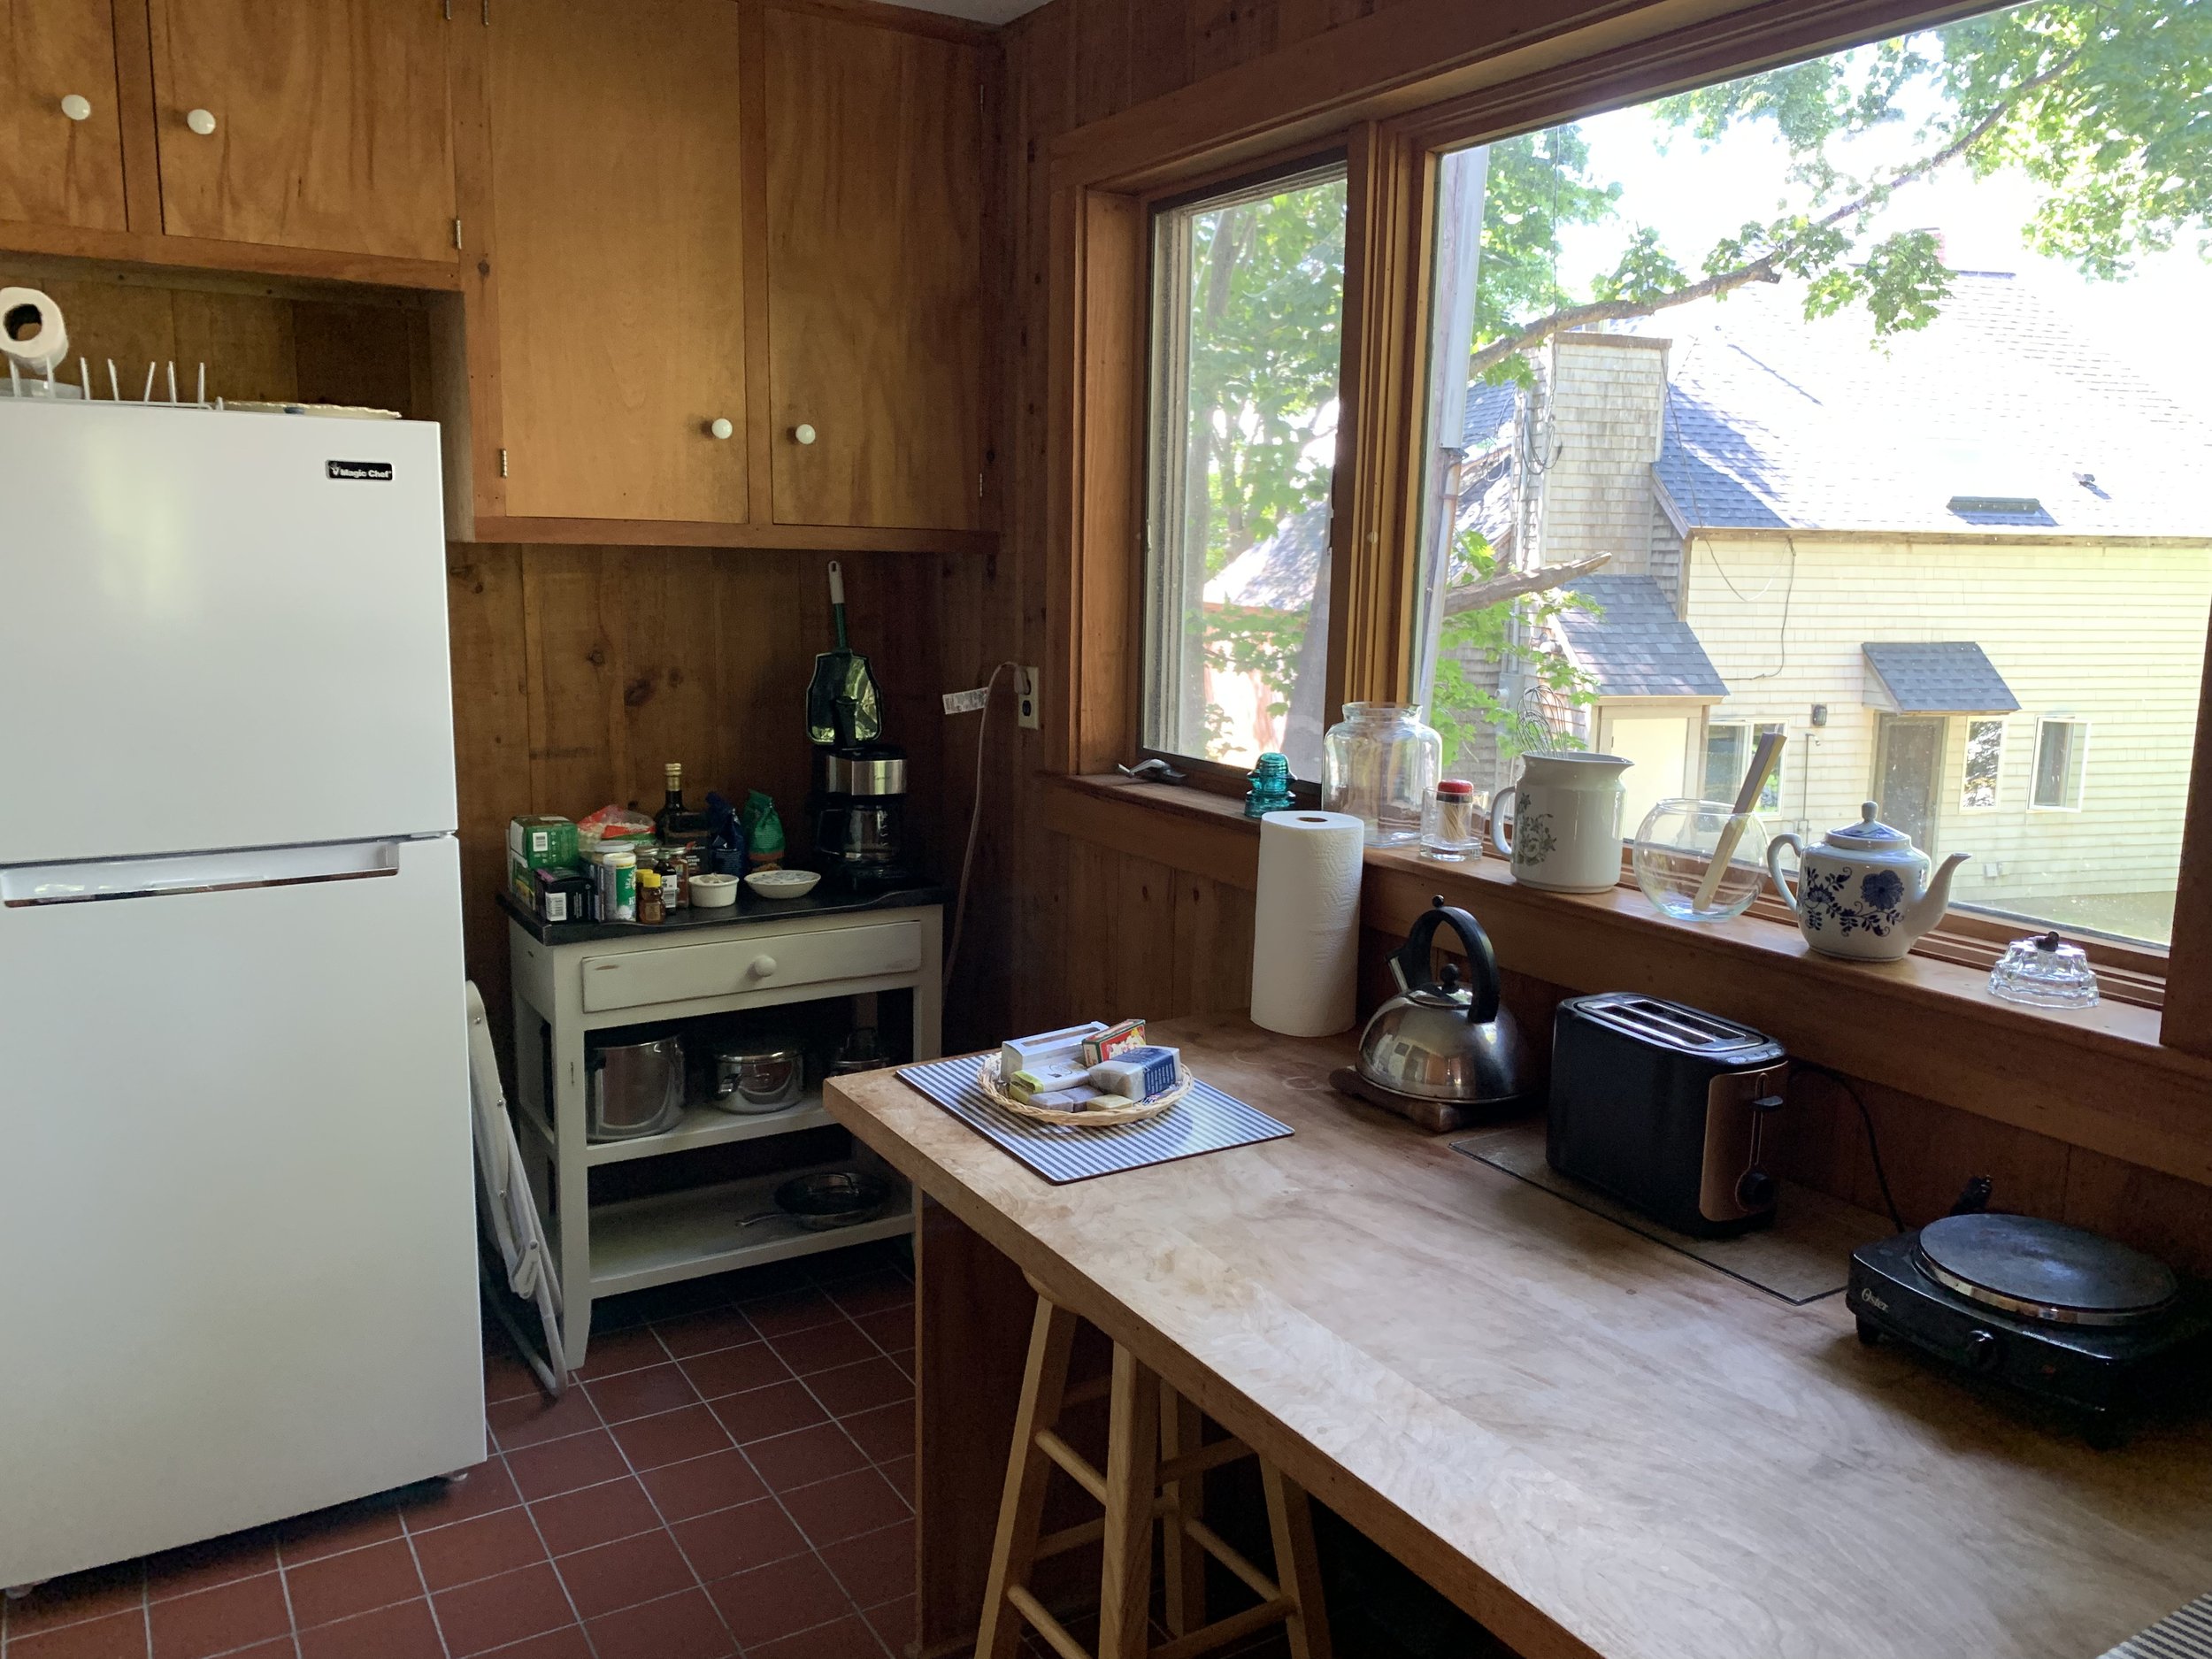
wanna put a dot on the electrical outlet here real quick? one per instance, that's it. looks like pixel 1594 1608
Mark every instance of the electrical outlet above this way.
pixel 1025 697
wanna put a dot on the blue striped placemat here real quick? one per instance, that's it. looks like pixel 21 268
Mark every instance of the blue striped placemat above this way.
pixel 2186 1634
pixel 1204 1120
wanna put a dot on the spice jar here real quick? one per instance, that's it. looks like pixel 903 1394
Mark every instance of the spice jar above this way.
pixel 649 909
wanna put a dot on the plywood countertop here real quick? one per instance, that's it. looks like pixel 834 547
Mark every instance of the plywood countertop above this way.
pixel 1592 1444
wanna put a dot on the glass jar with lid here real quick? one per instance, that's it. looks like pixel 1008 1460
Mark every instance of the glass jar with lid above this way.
pixel 1379 763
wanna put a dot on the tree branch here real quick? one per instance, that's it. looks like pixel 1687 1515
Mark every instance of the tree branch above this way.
pixel 1763 268
pixel 1496 590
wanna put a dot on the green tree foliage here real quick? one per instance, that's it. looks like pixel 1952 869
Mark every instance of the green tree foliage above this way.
pixel 1509 633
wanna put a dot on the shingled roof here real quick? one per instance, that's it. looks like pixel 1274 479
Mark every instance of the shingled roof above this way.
pixel 1634 645
pixel 1936 677
pixel 1774 422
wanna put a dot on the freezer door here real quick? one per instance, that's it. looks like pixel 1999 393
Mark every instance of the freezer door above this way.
pixel 218 630
pixel 237 1221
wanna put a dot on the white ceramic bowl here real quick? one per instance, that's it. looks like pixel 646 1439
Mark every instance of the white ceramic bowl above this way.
pixel 782 884
pixel 712 892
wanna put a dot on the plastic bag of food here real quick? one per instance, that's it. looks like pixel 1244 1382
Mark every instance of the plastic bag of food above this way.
pixel 613 824
pixel 763 833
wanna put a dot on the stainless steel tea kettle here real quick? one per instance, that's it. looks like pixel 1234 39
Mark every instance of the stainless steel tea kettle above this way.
pixel 1438 1040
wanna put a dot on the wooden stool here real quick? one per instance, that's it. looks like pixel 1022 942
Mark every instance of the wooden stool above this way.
pixel 1155 1467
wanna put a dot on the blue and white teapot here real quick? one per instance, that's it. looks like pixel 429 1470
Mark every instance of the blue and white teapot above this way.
pixel 1864 891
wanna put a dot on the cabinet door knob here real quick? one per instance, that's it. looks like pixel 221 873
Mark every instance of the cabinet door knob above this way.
pixel 201 121
pixel 763 966
pixel 802 433
pixel 719 427
pixel 77 107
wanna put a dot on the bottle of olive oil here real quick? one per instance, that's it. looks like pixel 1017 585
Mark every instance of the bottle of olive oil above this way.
pixel 678 825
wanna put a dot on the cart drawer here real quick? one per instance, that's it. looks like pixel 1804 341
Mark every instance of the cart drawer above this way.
pixel 764 963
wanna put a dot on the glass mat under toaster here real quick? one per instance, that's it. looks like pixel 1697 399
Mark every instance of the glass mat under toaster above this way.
pixel 1804 1256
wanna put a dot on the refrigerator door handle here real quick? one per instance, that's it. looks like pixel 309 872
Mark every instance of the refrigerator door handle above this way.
pixel 25 884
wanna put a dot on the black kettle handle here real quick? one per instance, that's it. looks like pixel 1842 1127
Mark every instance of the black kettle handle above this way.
pixel 1413 955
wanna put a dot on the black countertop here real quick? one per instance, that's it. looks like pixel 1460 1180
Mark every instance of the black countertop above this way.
pixel 751 910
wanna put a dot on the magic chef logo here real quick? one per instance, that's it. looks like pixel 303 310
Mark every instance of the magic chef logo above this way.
pixel 361 472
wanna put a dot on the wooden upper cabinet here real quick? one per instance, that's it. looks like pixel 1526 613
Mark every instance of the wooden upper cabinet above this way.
pixel 315 124
pixel 875 222
pixel 618 254
pixel 60 166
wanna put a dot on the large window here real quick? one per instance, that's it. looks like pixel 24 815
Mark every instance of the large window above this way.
pixel 1821 399
pixel 1247 303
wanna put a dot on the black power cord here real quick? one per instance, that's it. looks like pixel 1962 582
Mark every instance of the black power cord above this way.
pixel 1873 1144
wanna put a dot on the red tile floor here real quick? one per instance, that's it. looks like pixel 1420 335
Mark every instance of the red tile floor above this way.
pixel 732 1475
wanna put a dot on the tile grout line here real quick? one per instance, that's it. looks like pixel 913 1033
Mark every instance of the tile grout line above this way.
pixel 590 1646
pixel 654 1504
pixel 437 1624
pixel 813 1549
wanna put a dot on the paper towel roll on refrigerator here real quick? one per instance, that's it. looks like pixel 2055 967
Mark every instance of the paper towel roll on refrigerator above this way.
pixel 1305 928
pixel 32 335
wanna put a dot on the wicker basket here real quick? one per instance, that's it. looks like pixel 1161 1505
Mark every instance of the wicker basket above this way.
pixel 1136 1112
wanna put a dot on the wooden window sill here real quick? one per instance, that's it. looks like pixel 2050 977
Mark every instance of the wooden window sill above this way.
pixel 2096 1078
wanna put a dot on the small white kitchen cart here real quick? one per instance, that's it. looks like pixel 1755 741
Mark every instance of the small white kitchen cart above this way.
pixel 574 980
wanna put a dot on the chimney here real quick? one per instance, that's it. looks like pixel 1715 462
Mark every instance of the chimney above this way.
pixel 1606 420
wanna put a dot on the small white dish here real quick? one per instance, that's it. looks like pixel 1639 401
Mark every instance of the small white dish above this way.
pixel 782 884
pixel 712 892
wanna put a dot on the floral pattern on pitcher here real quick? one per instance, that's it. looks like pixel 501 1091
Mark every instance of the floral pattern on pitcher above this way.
pixel 1532 838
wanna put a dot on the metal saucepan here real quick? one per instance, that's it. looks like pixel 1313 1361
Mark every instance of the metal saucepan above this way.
pixel 832 1198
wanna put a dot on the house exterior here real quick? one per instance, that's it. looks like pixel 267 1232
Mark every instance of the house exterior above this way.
pixel 1968 574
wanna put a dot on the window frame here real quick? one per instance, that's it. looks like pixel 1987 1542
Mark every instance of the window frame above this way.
pixel 2077 760
pixel 1216 775
pixel 1997 786
pixel 1392 112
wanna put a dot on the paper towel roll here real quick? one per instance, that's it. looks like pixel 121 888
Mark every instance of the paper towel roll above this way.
pixel 1305 927
pixel 31 332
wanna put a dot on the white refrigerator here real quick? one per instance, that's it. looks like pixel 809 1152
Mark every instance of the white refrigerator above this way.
pixel 237 1226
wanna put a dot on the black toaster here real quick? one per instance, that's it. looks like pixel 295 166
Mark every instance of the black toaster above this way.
pixel 1665 1108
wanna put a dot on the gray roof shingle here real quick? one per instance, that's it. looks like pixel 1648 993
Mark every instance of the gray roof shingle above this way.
pixel 1636 646
pixel 1939 676
pixel 1774 422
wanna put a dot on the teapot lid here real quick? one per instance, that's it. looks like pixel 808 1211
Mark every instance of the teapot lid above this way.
pixel 1870 833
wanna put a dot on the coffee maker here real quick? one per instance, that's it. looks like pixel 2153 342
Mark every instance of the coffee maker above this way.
pixel 860 826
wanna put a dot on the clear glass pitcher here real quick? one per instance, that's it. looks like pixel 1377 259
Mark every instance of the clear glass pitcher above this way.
pixel 1379 763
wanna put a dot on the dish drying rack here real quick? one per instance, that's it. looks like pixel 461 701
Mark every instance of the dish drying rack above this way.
pixel 45 386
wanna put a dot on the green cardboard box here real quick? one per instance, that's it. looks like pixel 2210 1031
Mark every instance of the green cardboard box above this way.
pixel 534 842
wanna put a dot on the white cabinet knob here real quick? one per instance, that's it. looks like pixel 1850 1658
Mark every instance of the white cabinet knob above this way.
pixel 802 433
pixel 201 121
pixel 763 966
pixel 77 107
pixel 719 427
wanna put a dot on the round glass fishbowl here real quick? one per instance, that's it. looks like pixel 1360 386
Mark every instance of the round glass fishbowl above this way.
pixel 1677 847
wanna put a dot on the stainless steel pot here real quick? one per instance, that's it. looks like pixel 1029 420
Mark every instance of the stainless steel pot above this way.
pixel 756 1077
pixel 632 1089
pixel 1439 1039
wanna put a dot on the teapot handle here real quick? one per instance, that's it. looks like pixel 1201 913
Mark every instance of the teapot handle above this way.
pixel 1412 959
pixel 1774 866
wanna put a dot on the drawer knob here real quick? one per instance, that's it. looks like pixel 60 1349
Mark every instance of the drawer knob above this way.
pixel 763 966
pixel 201 121
pixel 77 107
pixel 719 427
pixel 802 433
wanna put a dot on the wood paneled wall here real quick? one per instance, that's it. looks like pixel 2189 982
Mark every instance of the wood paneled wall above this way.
pixel 580 671
pixel 1092 931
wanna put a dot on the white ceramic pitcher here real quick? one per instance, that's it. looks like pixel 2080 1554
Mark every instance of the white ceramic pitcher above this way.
pixel 1565 819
